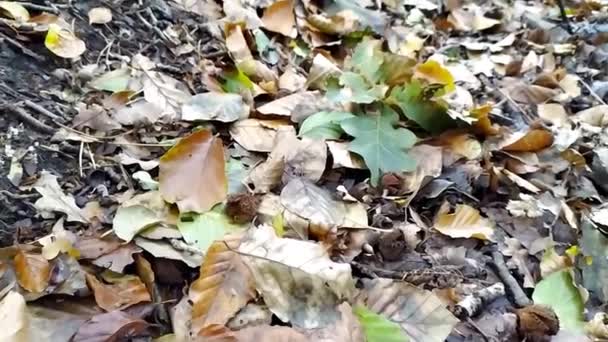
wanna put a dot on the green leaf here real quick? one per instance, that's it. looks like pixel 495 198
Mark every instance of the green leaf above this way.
pixel 367 60
pixel 560 293
pixel 416 106
pixel 131 220
pixel 353 87
pixel 382 146
pixel 235 81
pixel 377 328
pixel 324 125
pixel 201 230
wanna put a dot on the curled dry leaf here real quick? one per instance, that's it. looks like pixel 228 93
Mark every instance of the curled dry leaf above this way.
pixel 421 314
pixel 464 222
pixel 298 281
pixel 122 293
pixel 63 43
pixel 53 198
pixel 118 259
pixel 33 271
pixel 192 173
pixel 224 286
pixel 100 15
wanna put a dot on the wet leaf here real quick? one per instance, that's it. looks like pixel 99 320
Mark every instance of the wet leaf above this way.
pixel 192 173
pixel 464 222
pixel 377 328
pixel 569 308
pixel 298 281
pixel 123 292
pixel 324 125
pixel 33 271
pixel 54 199
pixel 203 229
pixel 420 313
pixel 63 43
pixel 215 106
pixel 279 17
pixel 100 15
pixel 224 286
pixel 382 146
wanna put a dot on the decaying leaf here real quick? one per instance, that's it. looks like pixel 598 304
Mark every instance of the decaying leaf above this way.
pixel 420 313
pixel 123 292
pixel 192 173
pixel 464 222
pixel 224 286
pixel 298 281
pixel 63 42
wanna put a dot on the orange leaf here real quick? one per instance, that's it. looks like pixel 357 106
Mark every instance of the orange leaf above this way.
pixel 33 271
pixel 279 18
pixel 483 125
pixel 224 286
pixel 192 173
pixel 124 292
pixel 533 141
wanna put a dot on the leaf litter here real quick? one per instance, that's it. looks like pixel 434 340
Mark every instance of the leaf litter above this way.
pixel 258 170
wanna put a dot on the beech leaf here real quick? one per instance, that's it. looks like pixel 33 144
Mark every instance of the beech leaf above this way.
pixel 192 173
pixel 33 271
pixel 465 222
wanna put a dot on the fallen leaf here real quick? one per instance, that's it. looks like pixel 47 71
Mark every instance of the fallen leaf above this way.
pixel 140 112
pixel 594 245
pixel 162 249
pixel 114 81
pixel 205 8
pixel 298 281
pixel 382 146
pixel 597 326
pixel 595 116
pixel 377 327
pixel 297 106
pixel 279 17
pixel 464 222
pixel 420 313
pixel 531 141
pixel 342 157
pixel 15 10
pixel 203 229
pixel 63 43
pixel 131 220
pixel 123 292
pixel 522 92
pixel 224 286
pixel 256 135
pixel 14 318
pixel 324 125
pixel 553 113
pixel 433 72
pixel 569 308
pixel 111 326
pixel 321 69
pixel 33 271
pixel 192 173
pixel 53 198
pixel 471 18
pixel 222 107
pixel 100 15
pixel 118 259
pixel 314 204
pixel 94 247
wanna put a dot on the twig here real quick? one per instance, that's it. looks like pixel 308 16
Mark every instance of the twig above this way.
pixel 42 110
pixel 27 118
pixel 519 297
pixel 562 12
pixel 37 7
pixel 23 49
pixel 471 304
pixel 593 93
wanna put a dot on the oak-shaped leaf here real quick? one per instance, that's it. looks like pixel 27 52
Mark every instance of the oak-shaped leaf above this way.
pixel 192 173
pixel 382 146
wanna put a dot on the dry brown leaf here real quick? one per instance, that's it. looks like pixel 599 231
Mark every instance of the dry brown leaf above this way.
pixel 33 271
pixel 521 182
pixel 429 163
pixel 124 292
pixel 237 45
pixel 464 222
pixel 224 286
pixel 343 157
pixel 297 106
pixel 522 92
pixel 118 259
pixel 553 113
pixel 483 125
pixel 470 18
pixel 461 145
pixel 110 327
pixel 279 17
pixel 192 173
pixel 531 141
pixel 256 135
pixel 94 247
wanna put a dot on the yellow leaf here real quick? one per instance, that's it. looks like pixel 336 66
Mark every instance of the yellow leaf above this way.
pixel 434 72
pixel 483 125
pixel 15 10
pixel 63 42
pixel 464 222
pixel 532 141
